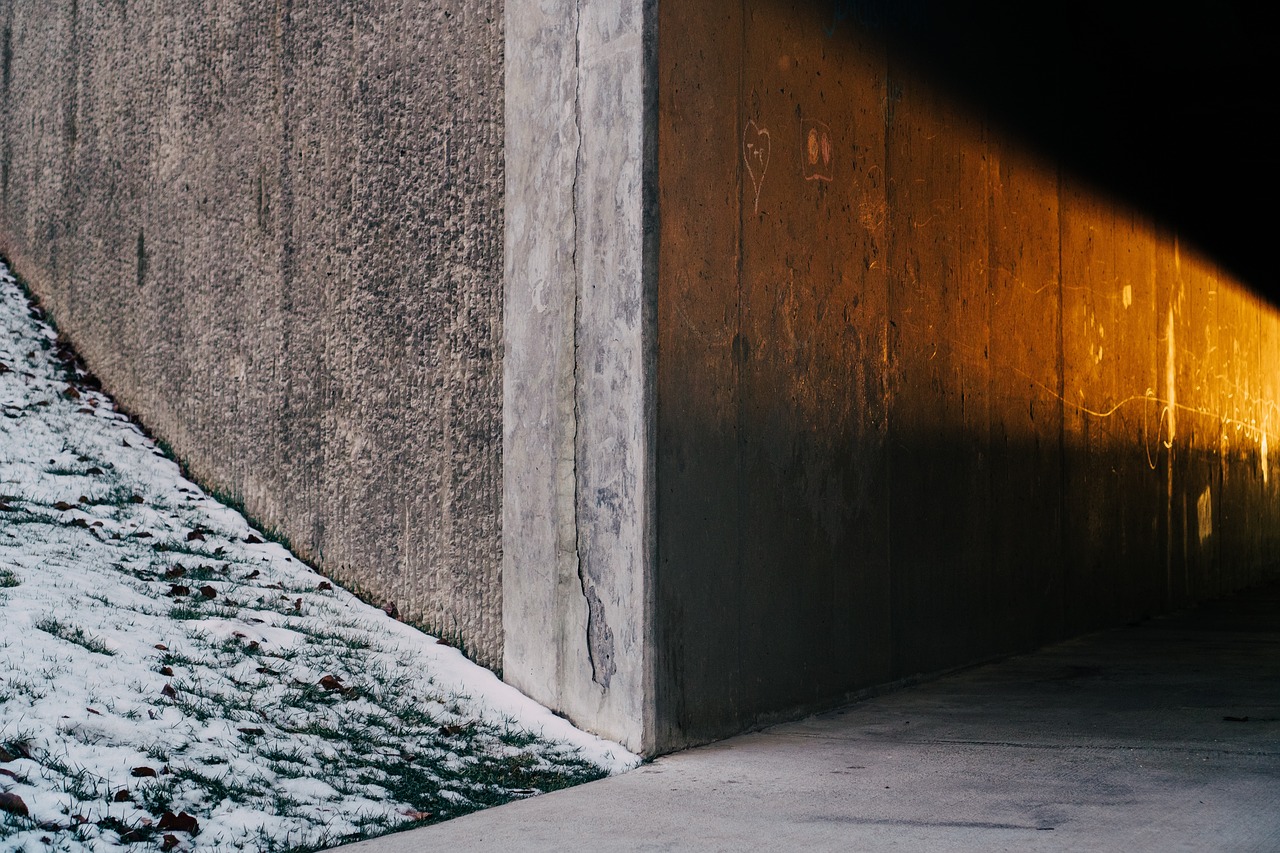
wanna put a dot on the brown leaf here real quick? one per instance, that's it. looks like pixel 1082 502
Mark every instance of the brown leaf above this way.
pixel 178 589
pixel 162 647
pixel 253 574
pixel 140 772
pixel 450 731
pixel 324 586
pixel 94 711
pixel 252 540
pixel 62 506
pixel 331 682
pixel 4 507
pixel 443 642
pixel 175 572
pixel 6 756
pixel 266 670
pixel 182 822
pixel 416 815
pixel 170 842
pixel 132 836
pixel 123 795
pixel 252 730
pixel 166 671
pixel 94 471
pixel 195 536
pixel 8 773
pixel 297 604
pixel 71 393
pixel 168 690
pixel 208 591
pixel 391 610
pixel 136 499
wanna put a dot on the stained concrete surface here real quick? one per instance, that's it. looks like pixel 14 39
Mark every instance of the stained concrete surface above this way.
pixel 273 230
pixel 1161 736
pixel 924 396
pixel 577 481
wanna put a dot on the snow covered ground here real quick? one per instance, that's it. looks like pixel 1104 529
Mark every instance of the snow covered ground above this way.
pixel 170 680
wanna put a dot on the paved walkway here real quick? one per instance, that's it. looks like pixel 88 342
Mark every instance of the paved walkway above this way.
pixel 1164 736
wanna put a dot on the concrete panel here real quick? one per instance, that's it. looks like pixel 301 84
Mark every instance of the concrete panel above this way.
pixel 771 410
pixel 1026 431
pixel 939 447
pixel 578 372
pixel 699 358
pixel 812 344
pixel 272 230
pixel 1115 409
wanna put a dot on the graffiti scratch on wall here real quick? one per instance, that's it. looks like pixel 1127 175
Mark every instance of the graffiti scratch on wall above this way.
pixel 757 146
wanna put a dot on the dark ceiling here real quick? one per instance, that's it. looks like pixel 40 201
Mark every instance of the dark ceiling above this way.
pixel 1167 106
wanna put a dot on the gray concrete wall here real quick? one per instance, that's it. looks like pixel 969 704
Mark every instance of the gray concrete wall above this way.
pixel 577 513
pixel 922 397
pixel 273 229
pixel 878 393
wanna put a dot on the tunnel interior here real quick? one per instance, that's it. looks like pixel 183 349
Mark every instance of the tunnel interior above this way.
pixel 948 367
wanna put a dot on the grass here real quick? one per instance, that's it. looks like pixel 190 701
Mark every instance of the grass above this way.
pixel 73 634
pixel 277 694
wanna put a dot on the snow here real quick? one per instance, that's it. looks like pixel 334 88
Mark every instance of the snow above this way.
pixel 143 626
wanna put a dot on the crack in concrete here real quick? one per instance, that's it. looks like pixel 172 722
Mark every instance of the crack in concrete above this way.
pixel 599 635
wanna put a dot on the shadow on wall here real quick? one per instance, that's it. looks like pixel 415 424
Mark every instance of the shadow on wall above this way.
pixel 1160 105
pixel 923 396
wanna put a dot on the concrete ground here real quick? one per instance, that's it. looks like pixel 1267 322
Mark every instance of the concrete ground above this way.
pixel 1162 736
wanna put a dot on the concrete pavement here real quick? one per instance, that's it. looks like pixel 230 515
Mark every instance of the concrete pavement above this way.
pixel 1162 736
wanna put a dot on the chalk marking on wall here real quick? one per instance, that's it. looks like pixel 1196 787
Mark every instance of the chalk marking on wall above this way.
pixel 757 146
pixel 1171 367
pixel 1259 433
pixel 721 339
pixel 1204 514
pixel 816 162
pixel 1262 460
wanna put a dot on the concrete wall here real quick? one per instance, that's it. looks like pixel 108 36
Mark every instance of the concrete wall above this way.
pixel 273 229
pixel 811 379
pixel 922 397
pixel 578 446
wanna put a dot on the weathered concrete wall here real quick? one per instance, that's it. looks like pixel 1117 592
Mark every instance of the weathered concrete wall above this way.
pixel 879 392
pixel 273 230
pixel 577 512
pixel 921 397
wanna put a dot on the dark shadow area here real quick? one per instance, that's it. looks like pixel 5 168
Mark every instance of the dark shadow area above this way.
pixel 1167 107
pixel 944 551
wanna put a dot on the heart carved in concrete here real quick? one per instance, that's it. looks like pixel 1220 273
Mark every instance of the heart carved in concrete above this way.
pixel 756 148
